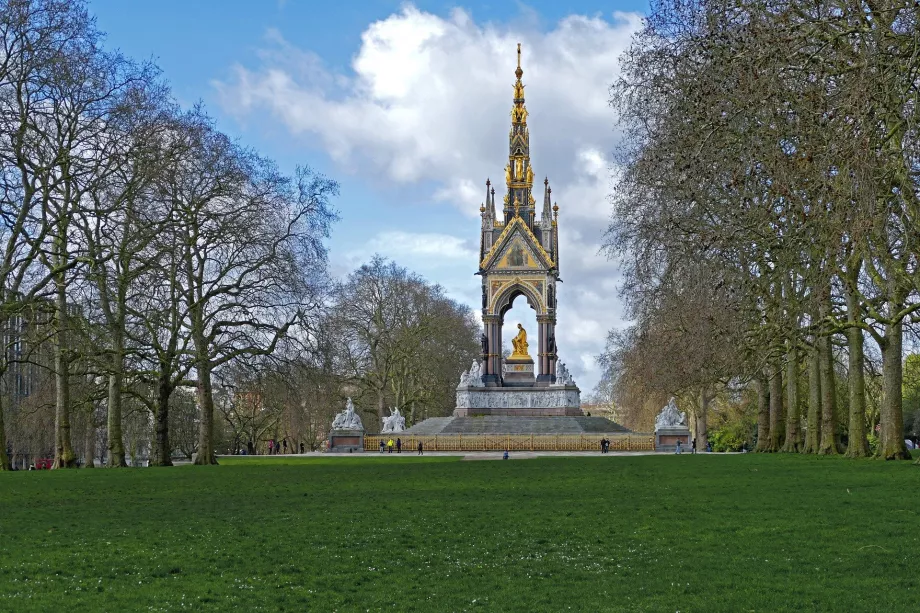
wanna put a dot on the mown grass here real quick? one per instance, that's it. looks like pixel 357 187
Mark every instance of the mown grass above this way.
pixel 656 533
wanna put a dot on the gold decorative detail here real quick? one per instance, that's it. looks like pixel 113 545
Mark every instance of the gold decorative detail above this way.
pixel 517 206
pixel 518 168
pixel 529 175
pixel 519 343
pixel 482 208
pixel 507 175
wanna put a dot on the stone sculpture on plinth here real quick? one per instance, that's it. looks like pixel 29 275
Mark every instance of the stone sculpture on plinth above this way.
pixel 395 422
pixel 347 433
pixel 671 427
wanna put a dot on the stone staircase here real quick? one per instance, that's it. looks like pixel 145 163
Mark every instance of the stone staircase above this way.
pixel 499 424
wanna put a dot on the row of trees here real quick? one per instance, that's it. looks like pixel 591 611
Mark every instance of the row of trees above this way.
pixel 165 287
pixel 143 249
pixel 767 215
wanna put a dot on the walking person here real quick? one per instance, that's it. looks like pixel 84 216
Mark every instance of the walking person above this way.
pixel 302 449
pixel 420 447
pixel 390 446
pixel 398 445
pixel 693 448
pixel 271 445
pixel 382 444
pixel 677 450
pixel 284 444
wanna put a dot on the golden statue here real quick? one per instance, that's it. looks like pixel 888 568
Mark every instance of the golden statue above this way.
pixel 529 174
pixel 518 169
pixel 508 174
pixel 523 114
pixel 519 343
pixel 518 90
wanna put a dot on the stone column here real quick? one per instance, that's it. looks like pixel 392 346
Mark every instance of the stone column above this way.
pixel 544 373
pixel 492 361
pixel 551 355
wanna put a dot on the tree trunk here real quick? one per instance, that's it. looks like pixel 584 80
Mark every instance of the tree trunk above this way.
pixel 205 394
pixel 777 423
pixel 857 445
pixel 813 436
pixel 89 441
pixel 381 406
pixel 64 456
pixel 163 452
pixel 828 443
pixel 702 425
pixel 891 419
pixel 116 447
pixel 763 413
pixel 5 463
pixel 793 408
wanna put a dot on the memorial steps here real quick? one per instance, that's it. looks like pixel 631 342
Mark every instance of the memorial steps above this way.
pixel 501 424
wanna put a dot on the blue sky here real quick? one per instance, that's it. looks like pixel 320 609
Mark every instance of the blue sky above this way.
pixel 405 104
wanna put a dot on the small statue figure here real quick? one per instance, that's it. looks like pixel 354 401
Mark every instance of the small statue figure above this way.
pixel 519 343
pixel 518 168
pixel 529 175
pixel 508 174
pixel 484 341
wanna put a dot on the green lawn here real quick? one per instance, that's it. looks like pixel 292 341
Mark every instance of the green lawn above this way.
pixel 655 533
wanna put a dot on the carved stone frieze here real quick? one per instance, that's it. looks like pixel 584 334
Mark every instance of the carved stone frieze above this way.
pixel 533 398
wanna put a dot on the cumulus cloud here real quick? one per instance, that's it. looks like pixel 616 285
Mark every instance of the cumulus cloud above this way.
pixel 427 104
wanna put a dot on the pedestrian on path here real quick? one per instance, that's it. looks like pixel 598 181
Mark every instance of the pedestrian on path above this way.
pixel 398 445
pixel 302 449
pixel 505 456
pixel 382 444
pixel 693 449
pixel 420 447
pixel 677 451
pixel 390 446
pixel 284 444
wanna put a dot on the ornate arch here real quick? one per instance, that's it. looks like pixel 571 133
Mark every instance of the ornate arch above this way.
pixel 505 297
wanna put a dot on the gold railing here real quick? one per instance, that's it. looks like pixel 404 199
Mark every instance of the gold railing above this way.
pixel 514 442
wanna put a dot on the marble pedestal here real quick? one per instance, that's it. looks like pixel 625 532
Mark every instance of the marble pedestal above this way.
pixel 666 438
pixel 519 401
pixel 346 441
pixel 518 372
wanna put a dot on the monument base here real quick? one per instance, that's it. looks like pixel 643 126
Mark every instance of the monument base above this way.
pixel 551 401
pixel 346 441
pixel 666 438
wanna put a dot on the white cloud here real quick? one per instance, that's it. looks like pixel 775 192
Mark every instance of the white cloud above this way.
pixel 406 247
pixel 428 103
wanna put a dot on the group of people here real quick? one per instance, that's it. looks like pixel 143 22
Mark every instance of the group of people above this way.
pixel 276 448
pixel 390 445
pixel 677 450
pixel 605 445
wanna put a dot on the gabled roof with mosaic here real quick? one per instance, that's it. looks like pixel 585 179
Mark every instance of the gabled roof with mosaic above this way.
pixel 516 223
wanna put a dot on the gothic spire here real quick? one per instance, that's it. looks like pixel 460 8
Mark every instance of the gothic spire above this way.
pixel 518 172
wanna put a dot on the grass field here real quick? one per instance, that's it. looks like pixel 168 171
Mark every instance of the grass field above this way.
pixel 656 533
